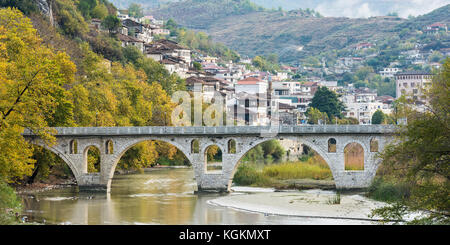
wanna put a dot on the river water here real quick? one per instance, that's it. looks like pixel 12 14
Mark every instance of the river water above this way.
pixel 162 196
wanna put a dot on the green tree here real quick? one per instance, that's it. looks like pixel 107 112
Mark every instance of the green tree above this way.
pixel 111 23
pixel 26 6
pixel 314 115
pixel 327 101
pixel 135 10
pixel 378 117
pixel 197 66
pixel 9 204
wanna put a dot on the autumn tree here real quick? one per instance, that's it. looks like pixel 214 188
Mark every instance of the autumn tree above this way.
pixel 314 116
pixel 32 77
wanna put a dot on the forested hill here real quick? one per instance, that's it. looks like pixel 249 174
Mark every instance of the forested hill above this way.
pixel 201 14
pixel 293 35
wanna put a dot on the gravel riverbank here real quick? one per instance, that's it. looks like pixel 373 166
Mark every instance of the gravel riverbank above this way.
pixel 307 203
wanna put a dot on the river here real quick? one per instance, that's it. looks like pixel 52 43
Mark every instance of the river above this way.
pixel 166 196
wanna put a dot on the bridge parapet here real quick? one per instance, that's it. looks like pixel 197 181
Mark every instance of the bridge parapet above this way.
pixel 224 130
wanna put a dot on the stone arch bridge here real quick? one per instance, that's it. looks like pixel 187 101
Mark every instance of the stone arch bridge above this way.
pixel 72 145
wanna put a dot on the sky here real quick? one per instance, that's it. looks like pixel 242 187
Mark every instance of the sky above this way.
pixel 359 8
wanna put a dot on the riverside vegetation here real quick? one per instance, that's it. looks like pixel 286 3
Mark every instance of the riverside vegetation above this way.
pixel 262 167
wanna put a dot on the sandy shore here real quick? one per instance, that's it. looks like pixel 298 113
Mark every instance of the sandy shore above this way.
pixel 308 203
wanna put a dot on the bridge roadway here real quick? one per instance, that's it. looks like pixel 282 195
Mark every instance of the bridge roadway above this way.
pixel 72 144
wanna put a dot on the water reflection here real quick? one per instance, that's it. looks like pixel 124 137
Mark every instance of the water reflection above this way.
pixel 164 196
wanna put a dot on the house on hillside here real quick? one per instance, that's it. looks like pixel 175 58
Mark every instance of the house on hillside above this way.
pixel 175 65
pixel 163 48
pixel 435 28
pixel 251 85
pixel 122 14
pixel 389 72
pixel 361 46
pixel 138 30
pixel 129 40
pixel 362 103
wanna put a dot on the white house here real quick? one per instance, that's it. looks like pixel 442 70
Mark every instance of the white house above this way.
pixel 251 85
pixel 389 72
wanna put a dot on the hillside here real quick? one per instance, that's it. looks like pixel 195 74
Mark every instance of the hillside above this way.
pixel 294 34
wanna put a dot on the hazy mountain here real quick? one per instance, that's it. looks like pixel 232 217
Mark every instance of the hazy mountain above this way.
pixel 358 8
pixel 292 35
pixel 331 8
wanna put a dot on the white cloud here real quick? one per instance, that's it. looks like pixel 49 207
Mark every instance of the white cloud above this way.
pixel 367 8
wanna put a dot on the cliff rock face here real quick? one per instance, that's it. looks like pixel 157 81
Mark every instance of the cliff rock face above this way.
pixel 45 6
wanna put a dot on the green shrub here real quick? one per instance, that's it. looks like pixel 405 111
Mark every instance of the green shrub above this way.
pixel 249 175
pixel 388 191
pixel 9 204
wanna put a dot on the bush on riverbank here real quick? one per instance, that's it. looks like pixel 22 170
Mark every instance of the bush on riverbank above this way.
pixel 248 174
pixel 386 190
pixel 9 204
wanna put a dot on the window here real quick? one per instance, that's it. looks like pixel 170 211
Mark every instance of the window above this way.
pixel 195 146
pixel 232 145
pixel 109 147
pixel 73 147
pixel 332 145
pixel 373 145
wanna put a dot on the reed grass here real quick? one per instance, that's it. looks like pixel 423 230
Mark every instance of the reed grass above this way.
pixel 260 174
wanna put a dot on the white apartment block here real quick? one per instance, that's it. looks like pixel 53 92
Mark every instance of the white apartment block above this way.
pixel 412 84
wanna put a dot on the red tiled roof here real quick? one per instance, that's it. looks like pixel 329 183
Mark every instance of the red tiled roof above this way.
pixel 250 81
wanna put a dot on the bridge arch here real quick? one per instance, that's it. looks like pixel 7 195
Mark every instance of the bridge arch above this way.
pixel 304 140
pixel 126 144
pixel 61 154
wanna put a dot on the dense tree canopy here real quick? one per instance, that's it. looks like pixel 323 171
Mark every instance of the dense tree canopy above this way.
pixel 378 117
pixel 32 77
pixel 135 10
pixel 328 102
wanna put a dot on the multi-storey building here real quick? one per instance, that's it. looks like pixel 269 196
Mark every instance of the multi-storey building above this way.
pixel 412 85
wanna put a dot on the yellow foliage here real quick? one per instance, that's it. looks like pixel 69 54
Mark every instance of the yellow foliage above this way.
pixel 32 77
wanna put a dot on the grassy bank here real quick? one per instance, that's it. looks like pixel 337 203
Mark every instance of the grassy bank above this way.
pixel 276 175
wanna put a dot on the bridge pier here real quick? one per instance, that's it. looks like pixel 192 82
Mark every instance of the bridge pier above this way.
pixel 92 183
